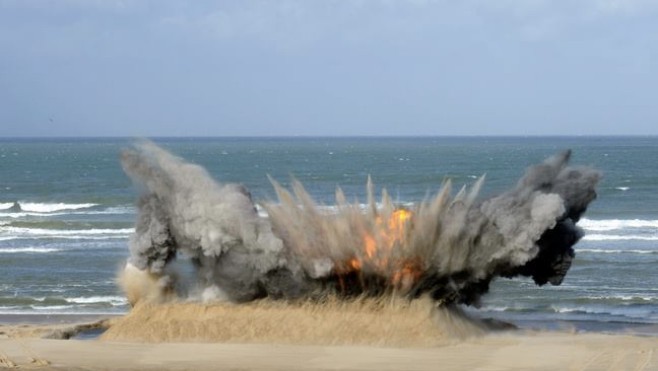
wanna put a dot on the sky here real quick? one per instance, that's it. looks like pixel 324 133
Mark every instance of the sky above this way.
pixel 328 68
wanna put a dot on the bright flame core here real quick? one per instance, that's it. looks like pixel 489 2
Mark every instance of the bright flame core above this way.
pixel 383 250
pixel 388 234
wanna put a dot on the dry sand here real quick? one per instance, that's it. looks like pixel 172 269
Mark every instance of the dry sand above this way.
pixel 539 351
pixel 382 322
pixel 361 335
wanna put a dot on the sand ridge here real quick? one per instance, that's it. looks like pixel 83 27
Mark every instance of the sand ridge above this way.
pixel 361 334
pixel 388 321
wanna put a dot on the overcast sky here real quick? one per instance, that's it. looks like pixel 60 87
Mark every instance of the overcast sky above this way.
pixel 331 67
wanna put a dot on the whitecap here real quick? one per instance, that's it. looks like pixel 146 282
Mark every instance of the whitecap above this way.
pixel 56 308
pixel 620 297
pixel 494 308
pixel 110 210
pixel 8 233
pixel 616 237
pixel 613 224
pixel 114 300
pixel 54 236
pixel 51 207
pixel 613 311
pixel 6 205
pixel 65 232
pixel 617 251
pixel 28 250
pixel 61 309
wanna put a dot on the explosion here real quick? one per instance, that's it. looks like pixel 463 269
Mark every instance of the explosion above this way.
pixel 378 253
pixel 446 247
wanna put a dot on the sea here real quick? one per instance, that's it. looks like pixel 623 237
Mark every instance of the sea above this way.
pixel 67 211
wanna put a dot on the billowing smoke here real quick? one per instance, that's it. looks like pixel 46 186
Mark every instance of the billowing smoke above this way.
pixel 449 246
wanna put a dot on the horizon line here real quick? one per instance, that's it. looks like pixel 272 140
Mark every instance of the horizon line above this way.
pixel 320 136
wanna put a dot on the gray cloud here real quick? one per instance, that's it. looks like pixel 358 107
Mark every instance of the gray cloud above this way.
pixel 371 67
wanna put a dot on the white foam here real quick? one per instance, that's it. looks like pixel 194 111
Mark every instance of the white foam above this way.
pixel 623 189
pixel 16 233
pixel 22 214
pixel 65 232
pixel 6 205
pixel 614 311
pixel 110 210
pixel 72 310
pixel 493 308
pixel 114 300
pixel 29 250
pixel 52 207
pixel 617 251
pixel 93 238
pixel 614 224
pixel 616 237
pixel 52 307
pixel 620 297
pixel 575 309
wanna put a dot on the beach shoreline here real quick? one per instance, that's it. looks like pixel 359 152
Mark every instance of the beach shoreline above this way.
pixel 541 350
pixel 31 345
pixel 44 323
pixel 53 318
pixel 585 326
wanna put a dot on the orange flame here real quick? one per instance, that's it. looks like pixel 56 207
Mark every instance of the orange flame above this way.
pixel 407 275
pixel 390 234
pixel 370 245
pixel 379 248
pixel 354 264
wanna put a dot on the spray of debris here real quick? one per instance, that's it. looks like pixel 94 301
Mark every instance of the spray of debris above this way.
pixel 449 247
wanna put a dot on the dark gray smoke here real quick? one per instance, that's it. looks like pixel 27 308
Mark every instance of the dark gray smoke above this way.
pixel 449 247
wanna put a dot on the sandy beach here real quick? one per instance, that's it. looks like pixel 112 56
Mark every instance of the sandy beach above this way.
pixel 509 351
pixel 187 336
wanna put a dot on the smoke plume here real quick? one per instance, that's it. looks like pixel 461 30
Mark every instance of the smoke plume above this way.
pixel 448 247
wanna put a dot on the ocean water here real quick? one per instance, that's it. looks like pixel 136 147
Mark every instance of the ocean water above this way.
pixel 67 210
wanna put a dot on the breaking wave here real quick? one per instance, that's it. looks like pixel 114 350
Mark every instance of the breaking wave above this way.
pixel 616 224
pixel 44 207
pixel 619 237
pixel 8 210
pixel 114 300
pixel 5 205
pixel 62 305
pixel 617 251
pixel 28 250
pixel 14 233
